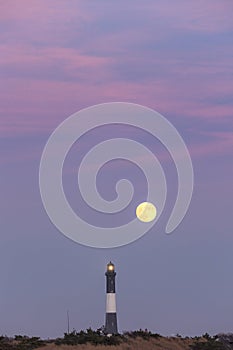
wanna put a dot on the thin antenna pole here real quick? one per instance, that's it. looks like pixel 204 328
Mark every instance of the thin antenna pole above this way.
pixel 68 322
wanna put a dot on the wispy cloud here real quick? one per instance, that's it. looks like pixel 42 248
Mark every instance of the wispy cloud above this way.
pixel 57 59
pixel 202 16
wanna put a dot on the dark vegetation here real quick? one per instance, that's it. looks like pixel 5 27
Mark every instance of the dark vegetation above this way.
pixel 20 343
pixel 97 338
pixel 89 336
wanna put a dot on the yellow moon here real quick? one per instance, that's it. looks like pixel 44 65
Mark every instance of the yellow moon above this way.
pixel 146 212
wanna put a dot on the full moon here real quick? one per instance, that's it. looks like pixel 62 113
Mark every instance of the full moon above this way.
pixel 146 212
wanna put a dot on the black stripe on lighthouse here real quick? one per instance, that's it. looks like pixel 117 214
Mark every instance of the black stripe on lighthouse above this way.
pixel 111 316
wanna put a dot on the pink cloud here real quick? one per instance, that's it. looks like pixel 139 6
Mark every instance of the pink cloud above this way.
pixel 41 10
pixel 221 143
pixel 40 22
pixel 39 105
pixel 17 55
pixel 44 84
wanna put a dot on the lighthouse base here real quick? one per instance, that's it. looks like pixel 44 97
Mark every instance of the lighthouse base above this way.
pixel 111 324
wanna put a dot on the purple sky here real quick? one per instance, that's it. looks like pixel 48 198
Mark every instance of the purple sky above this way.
pixel 58 57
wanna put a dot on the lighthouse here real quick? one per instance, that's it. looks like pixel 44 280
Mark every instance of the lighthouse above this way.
pixel 111 316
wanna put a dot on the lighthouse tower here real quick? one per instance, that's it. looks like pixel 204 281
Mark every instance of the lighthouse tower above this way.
pixel 111 316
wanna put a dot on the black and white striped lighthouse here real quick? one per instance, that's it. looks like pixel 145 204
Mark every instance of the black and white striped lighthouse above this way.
pixel 111 316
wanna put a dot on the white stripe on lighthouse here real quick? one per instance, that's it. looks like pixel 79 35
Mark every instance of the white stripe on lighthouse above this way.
pixel 111 303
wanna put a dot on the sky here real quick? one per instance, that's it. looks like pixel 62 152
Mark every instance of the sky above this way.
pixel 58 57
